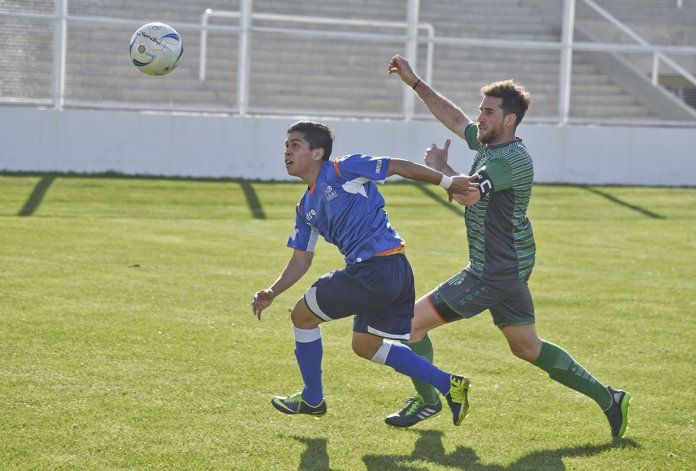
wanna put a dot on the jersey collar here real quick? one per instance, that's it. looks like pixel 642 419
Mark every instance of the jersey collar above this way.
pixel 503 144
pixel 310 188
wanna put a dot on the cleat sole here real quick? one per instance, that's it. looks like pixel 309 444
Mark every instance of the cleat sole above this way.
pixel 624 413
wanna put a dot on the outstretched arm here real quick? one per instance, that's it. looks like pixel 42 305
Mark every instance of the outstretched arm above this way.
pixel 458 184
pixel 297 266
pixel 442 108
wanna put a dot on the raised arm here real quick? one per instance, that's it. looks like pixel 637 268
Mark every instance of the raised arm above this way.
pixel 297 266
pixel 443 109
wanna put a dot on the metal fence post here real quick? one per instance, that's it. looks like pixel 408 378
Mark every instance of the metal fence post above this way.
pixel 60 29
pixel 245 10
pixel 411 53
pixel 203 56
pixel 566 61
pixel 655 79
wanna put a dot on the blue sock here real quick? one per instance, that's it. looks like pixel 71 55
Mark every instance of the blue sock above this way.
pixel 406 361
pixel 309 350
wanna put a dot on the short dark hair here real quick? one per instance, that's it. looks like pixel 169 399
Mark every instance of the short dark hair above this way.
pixel 516 99
pixel 318 135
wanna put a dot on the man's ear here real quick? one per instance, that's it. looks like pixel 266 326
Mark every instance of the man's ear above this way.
pixel 510 120
pixel 318 153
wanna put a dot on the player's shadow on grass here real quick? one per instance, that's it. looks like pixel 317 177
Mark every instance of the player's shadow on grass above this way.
pixel 37 195
pixel 315 457
pixel 454 207
pixel 252 200
pixel 430 451
pixel 621 202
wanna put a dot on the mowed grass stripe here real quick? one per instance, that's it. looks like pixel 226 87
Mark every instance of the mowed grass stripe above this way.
pixel 127 338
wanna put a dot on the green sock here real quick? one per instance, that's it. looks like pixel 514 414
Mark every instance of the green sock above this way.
pixel 562 368
pixel 424 348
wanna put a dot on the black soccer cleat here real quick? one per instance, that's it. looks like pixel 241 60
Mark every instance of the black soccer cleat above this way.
pixel 415 411
pixel 617 413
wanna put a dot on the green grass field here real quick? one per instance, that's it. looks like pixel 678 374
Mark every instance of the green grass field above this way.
pixel 127 338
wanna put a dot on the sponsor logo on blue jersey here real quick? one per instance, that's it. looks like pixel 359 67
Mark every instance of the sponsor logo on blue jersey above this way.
pixel 345 207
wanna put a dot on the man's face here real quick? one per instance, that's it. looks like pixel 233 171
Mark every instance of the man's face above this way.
pixel 299 158
pixel 491 120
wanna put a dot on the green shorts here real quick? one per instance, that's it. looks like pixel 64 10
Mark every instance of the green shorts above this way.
pixel 465 295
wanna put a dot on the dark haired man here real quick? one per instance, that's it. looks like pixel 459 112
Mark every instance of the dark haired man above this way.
pixel 501 247
pixel 343 204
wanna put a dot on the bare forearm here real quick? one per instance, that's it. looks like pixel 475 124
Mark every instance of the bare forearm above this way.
pixel 443 168
pixel 413 171
pixel 458 184
pixel 443 109
pixel 291 274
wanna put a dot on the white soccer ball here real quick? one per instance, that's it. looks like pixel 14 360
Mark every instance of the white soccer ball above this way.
pixel 156 49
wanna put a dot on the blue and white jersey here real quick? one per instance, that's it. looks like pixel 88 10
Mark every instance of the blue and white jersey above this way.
pixel 345 207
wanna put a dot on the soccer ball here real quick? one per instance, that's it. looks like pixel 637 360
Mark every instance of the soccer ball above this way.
pixel 156 49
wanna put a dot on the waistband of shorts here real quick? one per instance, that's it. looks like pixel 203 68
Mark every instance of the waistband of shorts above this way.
pixel 399 249
pixel 383 258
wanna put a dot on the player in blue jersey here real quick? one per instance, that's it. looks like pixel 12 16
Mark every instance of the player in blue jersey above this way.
pixel 343 205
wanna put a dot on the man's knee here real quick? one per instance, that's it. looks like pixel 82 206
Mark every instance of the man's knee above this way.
pixel 417 334
pixel 360 349
pixel 302 317
pixel 366 346
pixel 526 350
pixel 523 341
pixel 425 319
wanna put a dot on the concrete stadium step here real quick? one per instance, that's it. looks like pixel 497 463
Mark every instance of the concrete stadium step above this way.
pixel 358 77
pixel 489 54
pixel 145 95
pixel 552 99
pixel 609 112
pixel 325 91
pixel 178 10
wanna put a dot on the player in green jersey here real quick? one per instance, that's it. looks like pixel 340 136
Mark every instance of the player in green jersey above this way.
pixel 501 248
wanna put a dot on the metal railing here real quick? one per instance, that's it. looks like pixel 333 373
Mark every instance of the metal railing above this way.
pixel 61 17
pixel 243 52
pixel 657 56
pixel 566 46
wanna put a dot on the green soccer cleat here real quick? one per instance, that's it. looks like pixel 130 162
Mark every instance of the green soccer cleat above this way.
pixel 617 414
pixel 458 398
pixel 415 411
pixel 296 405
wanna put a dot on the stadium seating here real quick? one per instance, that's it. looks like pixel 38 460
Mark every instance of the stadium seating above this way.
pixel 297 74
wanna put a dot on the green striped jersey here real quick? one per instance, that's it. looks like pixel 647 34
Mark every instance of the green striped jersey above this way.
pixel 501 242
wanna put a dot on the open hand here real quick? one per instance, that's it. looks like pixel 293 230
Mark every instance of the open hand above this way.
pixel 262 299
pixel 435 157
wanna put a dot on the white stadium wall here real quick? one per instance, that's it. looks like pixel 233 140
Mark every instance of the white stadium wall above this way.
pixel 90 141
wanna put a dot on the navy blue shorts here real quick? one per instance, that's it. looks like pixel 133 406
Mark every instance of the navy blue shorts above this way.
pixel 379 292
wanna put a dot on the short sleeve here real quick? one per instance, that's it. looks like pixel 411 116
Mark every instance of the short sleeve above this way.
pixel 358 165
pixel 470 135
pixel 515 172
pixel 497 172
pixel 303 237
